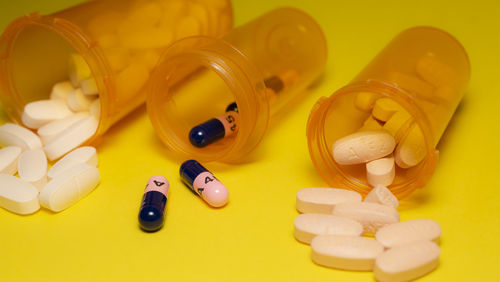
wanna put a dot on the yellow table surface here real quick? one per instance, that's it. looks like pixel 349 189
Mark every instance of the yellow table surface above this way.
pixel 251 239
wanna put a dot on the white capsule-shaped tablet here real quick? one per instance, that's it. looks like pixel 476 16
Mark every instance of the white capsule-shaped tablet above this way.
pixel 383 196
pixel 95 108
pixel 78 102
pixel 61 90
pixel 15 135
pixel 89 87
pixel 410 231
pixel 362 147
pixel 407 262
pixel 67 188
pixel 372 216
pixel 322 200
pixel 17 195
pixel 411 149
pixel 52 129
pixel 345 252
pixel 8 159
pixel 71 138
pixel 309 225
pixel 381 171
pixel 32 167
pixel 87 155
pixel 38 113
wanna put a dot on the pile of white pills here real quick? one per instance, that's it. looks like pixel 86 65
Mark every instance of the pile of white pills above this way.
pixel 340 228
pixel 62 123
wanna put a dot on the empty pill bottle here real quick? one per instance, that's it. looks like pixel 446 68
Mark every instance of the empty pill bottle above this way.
pixel 260 65
pixel 424 72
pixel 120 40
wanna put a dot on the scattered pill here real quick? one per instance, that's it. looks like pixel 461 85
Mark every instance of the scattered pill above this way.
pixel 52 129
pixel 384 108
pixel 407 232
pixel 365 101
pixel 370 124
pixel 372 216
pixel 8 159
pixel 361 147
pixel 204 183
pixel 151 214
pixel 15 135
pixel 216 128
pixel 78 102
pixel 17 195
pixel 32 167
pixel 435 71
pixel 86 154
pixel 69 187
pixel 309 225
pixel 78 69
pixel 345 252
pixel 38 113
pixel 70 138
pixel 381 171
pixel 322 200
pixel 411 150
pixel 407 262
pixel 89 87
pixel 61 90
pixel 383 196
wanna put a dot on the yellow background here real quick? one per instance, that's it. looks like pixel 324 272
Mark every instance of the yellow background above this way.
pixel 251 239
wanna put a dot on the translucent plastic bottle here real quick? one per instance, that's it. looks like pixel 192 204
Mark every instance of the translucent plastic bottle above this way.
pixel 424 70
pixel 121 42
pixel 260 66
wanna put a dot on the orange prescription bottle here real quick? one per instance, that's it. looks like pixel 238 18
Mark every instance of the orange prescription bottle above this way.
pixel 120 40
pixel 423 70
pixel 260 65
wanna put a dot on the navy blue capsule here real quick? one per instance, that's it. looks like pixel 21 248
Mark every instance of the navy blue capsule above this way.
pixel 216 128
pixel 151 214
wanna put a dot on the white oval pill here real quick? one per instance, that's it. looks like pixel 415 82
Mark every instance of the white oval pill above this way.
pixel 38 113
pixel 309 225
pixel 78 102
pixel 69 187
pixel 17 195
pixel 345 252
pixel 89 87
pixel 371 216
pixel 410 231
pixel 71 138
pixel 382 195
pixel 52 129
pixel 61 90
pixel 32 167
pixel 381 171
pixel 15 135
pixel 407 262
pixel 362 147
pixel 8 159
pixel 322 200
pixel 95 108
pixel 80 155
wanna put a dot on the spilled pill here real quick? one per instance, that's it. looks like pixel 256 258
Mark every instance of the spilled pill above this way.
pixel 407 232
pixel 61 90
pixel 78 102
pixel 69 187
pixel 17 195
pixel 52 129
pixel 381 171
pixel 383 196
pixel 38 113
pixel 15 135
pixel 309 225
pixel 407 262
pixel 372 216
pixel 8 159
pixel 363 147
pixel 32 167
pixel 345 252
pixel 154 200
pixel 204 183
pixel 322 200
pixel 86 154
